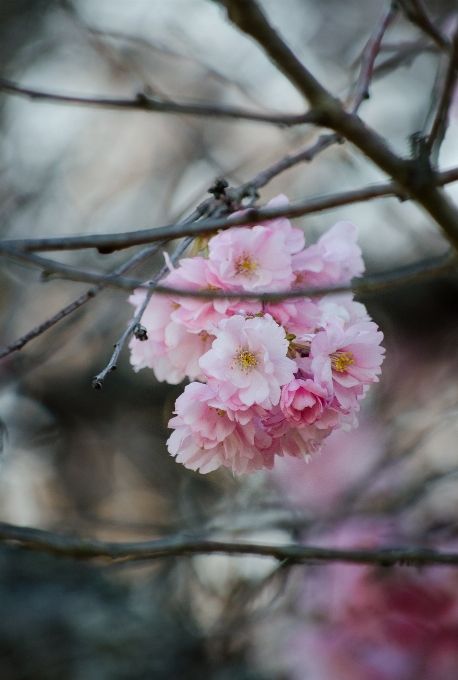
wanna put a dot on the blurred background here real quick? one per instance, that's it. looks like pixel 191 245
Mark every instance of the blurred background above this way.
pixel 91 463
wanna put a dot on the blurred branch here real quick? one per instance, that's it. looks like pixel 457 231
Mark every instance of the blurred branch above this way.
pixel 151 103
pixel 440 123
pixel 52 268
pixel 404 56
pixel 109 242
pixel 369 56
pixel 179 545
pixel 79 302
pixel 416 13
pixel 98 380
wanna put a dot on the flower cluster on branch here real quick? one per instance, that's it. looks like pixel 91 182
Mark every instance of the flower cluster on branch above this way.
pixel 268 379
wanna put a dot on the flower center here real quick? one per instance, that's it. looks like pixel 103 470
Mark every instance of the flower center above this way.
pixel 246 360
pixel 340 361
pixel 246 265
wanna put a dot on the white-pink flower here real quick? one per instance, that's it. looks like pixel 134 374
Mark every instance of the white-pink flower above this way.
pixel 336 258
pixel 344 361
pixel 294 237
pixel 206 436
pixel 247 363
pixel 194 313
pixel 171 350
pixel 250 259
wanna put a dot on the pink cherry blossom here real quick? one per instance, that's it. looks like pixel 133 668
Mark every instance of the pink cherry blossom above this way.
pixel 194 313
pixel 303 401
pixel 170 350
pixel 344 360
pixel 251 259
pixel 247 363
pixel 207 436
pixel 294 237
pixel 336 258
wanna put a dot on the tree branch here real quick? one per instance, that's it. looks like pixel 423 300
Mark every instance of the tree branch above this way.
pixel 440 123
pixel 369 56
pixel 152 104
pixel 179 545
pixel 98 380
pixel 414 176
pixel 118 241
pixel 79 302
pixel 416 13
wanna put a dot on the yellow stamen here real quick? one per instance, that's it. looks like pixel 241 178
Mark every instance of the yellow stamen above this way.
pixel 340 361
pixel 246 265
pixel 246 360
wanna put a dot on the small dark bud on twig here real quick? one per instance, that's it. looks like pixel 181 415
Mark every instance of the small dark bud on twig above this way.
pixel 140 332
pixel 97 384
pixel 218 188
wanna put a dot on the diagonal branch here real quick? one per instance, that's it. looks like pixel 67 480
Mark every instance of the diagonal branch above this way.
pixel 416 13
pixel 440 123
pixel 153 104
pixel 369 56
pixel 180 545
pixel 415 176
pixel 79 302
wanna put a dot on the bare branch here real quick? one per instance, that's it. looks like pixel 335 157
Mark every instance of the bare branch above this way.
pixel 79 302
pixel 369 56
pixel 98 380
pixel 52 268
pixel 179 545
pixel 414 175
pixel 153 104
pixel 118 241
pixel 440 123
pixel 416 13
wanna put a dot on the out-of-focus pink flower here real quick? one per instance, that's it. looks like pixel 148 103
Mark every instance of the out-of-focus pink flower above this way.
pixel 255 259
pixel 393 626
pixel 336 258
pixel 247 363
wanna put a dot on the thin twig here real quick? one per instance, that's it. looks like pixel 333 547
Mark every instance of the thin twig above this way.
pixel 179 545
pixel 369 56
pixel 440 123
pixel 146 102
pixel 98 380
pixel 306 155
pixel 416 13
pixel 79 302
pixel 52 268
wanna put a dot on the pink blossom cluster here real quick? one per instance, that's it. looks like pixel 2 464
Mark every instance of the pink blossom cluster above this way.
pixel 267 379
